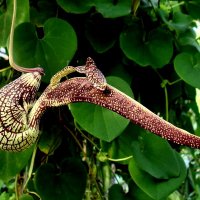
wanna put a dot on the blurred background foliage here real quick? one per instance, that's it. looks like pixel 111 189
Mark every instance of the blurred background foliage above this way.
pixel 150 50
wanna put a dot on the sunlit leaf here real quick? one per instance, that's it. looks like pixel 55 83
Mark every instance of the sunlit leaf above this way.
pixel 187 66
pixel 155 156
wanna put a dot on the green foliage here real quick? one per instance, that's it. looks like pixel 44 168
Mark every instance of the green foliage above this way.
pixel 146 48
pixel 13 163
pixel 50 51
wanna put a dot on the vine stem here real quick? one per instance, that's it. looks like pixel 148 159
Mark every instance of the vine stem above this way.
pixel 10 47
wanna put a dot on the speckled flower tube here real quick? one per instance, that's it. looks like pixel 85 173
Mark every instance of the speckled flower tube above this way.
pixel 81 90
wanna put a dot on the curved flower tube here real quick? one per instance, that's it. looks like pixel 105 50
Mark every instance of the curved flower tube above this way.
pixel 19 128
pixel 81 90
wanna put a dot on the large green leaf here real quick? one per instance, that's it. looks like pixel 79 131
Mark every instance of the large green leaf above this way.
pixel 66 183
pixel 154 48
pixel 5 18
pixel 12 163
pixel 52 52
pixel 98 121
pixel 155 156
pixel 187 66
pixel 156 188
pixel 111 9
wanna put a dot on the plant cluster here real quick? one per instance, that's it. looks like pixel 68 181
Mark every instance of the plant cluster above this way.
pixel 148 49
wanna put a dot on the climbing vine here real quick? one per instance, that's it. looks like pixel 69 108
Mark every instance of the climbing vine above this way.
pixel 148 50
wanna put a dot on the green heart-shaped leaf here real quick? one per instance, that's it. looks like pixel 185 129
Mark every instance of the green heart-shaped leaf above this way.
pixel 52 52
pixel 187 66
pixel 155 49
pixel 156 188
pixel 67 183
pixel 98 121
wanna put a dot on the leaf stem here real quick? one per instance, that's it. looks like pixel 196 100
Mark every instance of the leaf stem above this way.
pixel 120 159
pixel 4 69
pixel 30 171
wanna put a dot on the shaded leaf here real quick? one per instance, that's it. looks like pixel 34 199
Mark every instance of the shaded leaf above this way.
pixel 154 48
pixel 75 6
pixel 102 33
pixel 136 193
pixel 50 140
pixel 44 10
pixel 193 8
pixel 68 183
pixel 111 9
pixel 116 192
